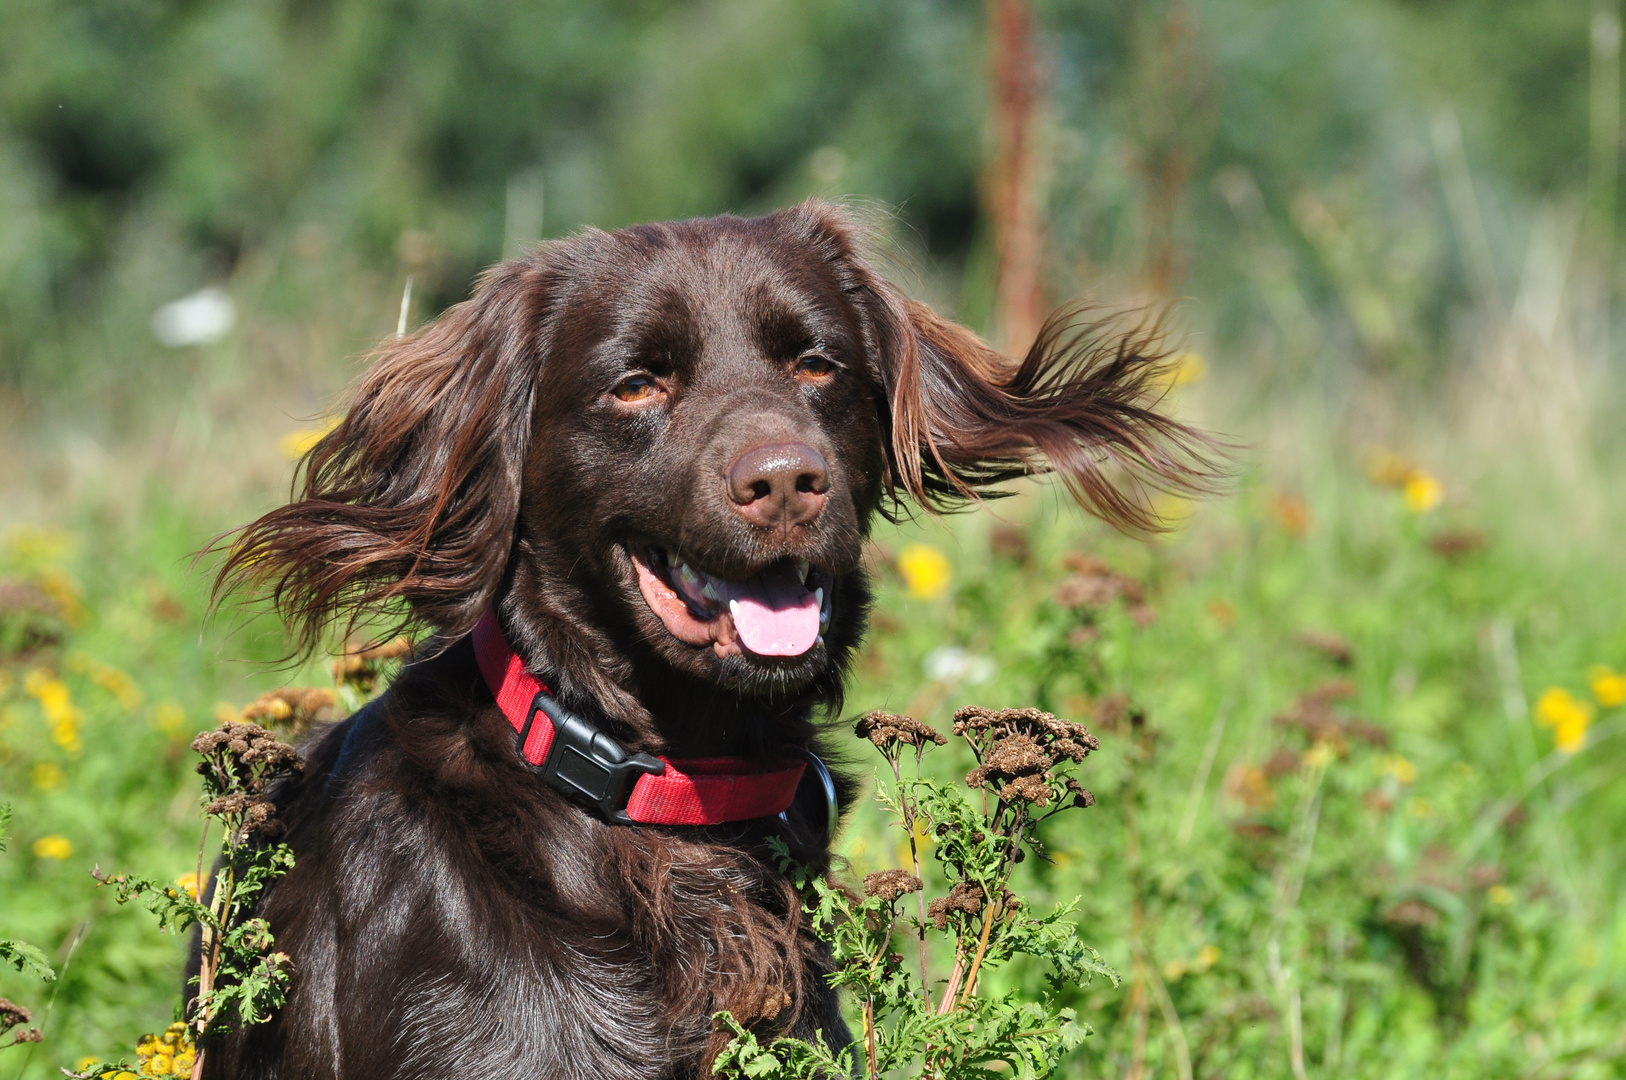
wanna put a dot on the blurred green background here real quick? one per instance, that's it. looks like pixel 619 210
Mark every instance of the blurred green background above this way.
pixel 1387 229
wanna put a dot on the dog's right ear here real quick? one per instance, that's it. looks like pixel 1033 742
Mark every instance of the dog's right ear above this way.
pixel 407 508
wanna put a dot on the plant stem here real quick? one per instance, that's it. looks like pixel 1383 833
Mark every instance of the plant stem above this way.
pixel 982 947
pixel 952 987
pixel 914 863
pixel 869 1036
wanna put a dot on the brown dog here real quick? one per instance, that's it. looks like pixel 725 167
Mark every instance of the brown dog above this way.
pixel 654 456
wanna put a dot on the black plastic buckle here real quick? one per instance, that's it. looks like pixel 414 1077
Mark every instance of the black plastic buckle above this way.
pixel 585 764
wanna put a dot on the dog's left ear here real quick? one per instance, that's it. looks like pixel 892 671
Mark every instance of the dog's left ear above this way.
pixel 961 418
pixel 407 508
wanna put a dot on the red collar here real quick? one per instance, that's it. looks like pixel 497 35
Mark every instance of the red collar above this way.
pixel 586 764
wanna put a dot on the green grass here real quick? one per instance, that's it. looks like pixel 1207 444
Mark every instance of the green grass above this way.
pixel 1445 904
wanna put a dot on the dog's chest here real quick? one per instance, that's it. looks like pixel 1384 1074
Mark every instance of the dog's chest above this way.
pixel 431 946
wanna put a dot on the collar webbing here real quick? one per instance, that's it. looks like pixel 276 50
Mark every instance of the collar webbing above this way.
pixel 575 757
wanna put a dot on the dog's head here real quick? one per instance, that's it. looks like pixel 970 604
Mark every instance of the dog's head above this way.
pixel 660 451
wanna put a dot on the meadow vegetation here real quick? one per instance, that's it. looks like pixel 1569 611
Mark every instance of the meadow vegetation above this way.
pixel 1361 774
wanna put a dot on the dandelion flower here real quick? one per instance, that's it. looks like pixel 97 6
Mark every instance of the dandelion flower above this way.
pixel 1570 735
pixel 1557 706
pixel 1422 492
pixel 926 571
pixel 1608 686
pixel 56 846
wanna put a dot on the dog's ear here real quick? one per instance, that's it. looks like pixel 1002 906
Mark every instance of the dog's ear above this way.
pixel 962 418
pixel 407 508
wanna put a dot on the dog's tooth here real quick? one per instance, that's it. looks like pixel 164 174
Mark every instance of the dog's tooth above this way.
pixel 687 573
pixel 802 567
pixel 734 608
pixel 818 641
pixel 818 596
pixel 709 591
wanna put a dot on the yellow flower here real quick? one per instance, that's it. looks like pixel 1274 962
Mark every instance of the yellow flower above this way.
pixel 1174 971
pixel 47 776
pixel 1422 492
pixel 1185 368
pixel 1570 736
pixel 57 705
pixel 161 1064
pixel 56 846
pixel 1401 769
pixel 109 678
pixel 84 1063
pixel 1568 716
pixel 1208 956
pixel 296 444
pixel 1319 756
pixel 189 883
pixel 926 571
pixel 64 591
pixel 1500 895
pixel 35 543
pixel 1608 687
pixel 169 718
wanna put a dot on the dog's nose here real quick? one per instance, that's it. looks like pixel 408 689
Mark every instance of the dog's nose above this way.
pixel 779 485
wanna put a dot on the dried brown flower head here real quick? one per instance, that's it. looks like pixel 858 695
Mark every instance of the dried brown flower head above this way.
pixel 965 897
pixel 295 709
pixel 1081 794
pixel 12 1014
pixel 1314 714
pixel 1059 738
pixel 361 667
pixel 890 884
pixel 1094 584
pixel 885 729
pixel 1330 645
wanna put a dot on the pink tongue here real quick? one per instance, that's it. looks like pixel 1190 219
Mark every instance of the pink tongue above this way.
pixel 773 614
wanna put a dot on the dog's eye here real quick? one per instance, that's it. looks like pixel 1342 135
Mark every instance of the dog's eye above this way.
pixel 637 388
pixel 814 366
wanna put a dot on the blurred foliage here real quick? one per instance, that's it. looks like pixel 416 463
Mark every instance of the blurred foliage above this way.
pixel 150 148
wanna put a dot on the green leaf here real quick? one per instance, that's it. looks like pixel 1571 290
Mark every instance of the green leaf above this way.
pixel 26 959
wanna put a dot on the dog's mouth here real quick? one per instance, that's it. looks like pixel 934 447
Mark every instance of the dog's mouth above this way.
pixel 779 611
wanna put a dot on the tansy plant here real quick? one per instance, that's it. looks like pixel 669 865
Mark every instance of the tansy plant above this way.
pixel 241 977
pixel 911 1024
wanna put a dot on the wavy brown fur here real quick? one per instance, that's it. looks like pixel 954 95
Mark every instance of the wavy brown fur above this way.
pixel 411 498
